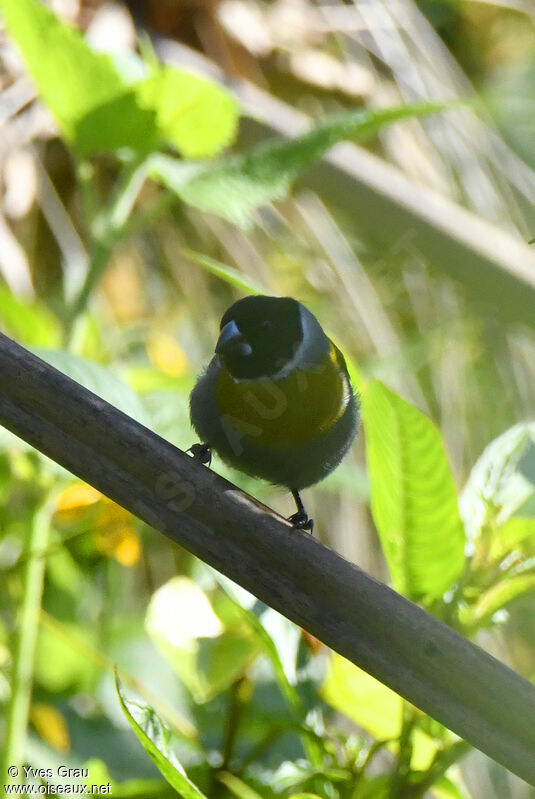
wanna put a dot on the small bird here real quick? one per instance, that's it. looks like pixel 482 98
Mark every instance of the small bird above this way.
pixel 276 400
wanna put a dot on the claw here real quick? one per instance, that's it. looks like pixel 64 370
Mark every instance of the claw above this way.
pixel 300 520
pixel 201 452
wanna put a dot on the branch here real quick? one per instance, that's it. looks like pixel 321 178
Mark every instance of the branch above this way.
pixel 397 642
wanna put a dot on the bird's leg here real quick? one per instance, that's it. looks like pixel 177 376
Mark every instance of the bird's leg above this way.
pixel 300 519
pixel 201 452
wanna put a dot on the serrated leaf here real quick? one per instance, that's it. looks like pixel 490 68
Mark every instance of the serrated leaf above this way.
pixel 413 497
pixel 238 185
pixel 155 737
pixel 500 485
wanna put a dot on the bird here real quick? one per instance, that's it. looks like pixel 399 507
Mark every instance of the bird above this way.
pixel 276 400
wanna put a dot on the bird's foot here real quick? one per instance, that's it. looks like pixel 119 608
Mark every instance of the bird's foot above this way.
pixel 201 452
pixel 301 521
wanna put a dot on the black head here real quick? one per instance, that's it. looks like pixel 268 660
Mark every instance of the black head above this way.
pixel 260 335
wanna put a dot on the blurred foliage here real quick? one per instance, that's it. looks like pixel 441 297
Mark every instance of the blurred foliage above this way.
pixel 120 282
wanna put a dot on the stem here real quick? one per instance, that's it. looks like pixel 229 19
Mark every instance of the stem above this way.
pixel 237 704
pixel 24 649
pixel 99 260
pixel 108 229
pixel 403 762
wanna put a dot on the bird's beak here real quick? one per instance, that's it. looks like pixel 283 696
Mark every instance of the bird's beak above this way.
pixel 232 340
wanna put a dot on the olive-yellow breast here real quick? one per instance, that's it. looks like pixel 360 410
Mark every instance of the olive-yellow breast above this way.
pixel 276 400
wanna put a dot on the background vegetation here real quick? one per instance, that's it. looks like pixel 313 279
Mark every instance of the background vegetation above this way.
pixel 121 245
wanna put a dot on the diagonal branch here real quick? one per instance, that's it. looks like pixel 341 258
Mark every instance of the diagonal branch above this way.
pixel 397 642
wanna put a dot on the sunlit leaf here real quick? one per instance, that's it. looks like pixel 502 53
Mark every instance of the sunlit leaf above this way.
pixel 227 273
pixel 195 115
pixel 496 598
pixel 373 706
pixel 414 502
pixel 238 185
pixel 515 533
pixel 244 604
pixel 180 612
pixel 237 787
pixel 501 484
pixel 363 698
pixel 207 657
pixel 97 109
pixel 305 796
pixel 28 321
pixel 156 738
pixel 96 378
pixel 92 105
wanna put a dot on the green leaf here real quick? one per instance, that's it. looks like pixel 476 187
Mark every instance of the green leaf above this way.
pixel 414 503
pixel 93 376
pixel 237 787
pixel 196 116
pixel 82 88
pixel 155 738
pixel 305 796
pixel 374 788
pixel 494 599
pixel 137 788
pixel 226 273
pixel 207 658
pixel 362 698
pixel 238 185
pixel 445 788
pixel 60 667
pixel 238 596
pixel 119 122
pixel 96 378
pixel 373 706
pixel 28 321
pixel 97 110
pixel 516 533
pixel 501 484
